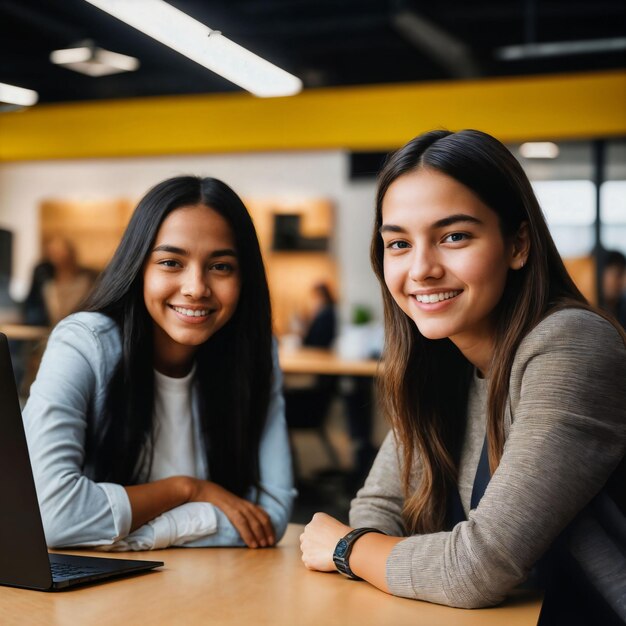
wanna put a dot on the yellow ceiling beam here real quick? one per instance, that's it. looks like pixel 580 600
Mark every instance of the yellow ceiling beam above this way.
pixel 568 106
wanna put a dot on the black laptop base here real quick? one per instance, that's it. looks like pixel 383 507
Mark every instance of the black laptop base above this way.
pixel 69 570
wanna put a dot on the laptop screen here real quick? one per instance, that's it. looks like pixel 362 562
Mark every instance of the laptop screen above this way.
pixel 23 552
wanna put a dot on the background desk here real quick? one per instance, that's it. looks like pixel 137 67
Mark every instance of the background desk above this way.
pixel 358 397
pixel 326 362
pixel 22 332
pixel 242 587
pixel 300 361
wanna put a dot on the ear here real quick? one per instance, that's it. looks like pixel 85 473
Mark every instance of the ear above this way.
pixel 521 247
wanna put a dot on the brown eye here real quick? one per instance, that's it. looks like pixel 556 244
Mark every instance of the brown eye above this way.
pixel 455 237
pixel 398 245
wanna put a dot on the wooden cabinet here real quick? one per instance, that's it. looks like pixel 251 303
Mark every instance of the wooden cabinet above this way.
pixel 95 228
pixel 292 274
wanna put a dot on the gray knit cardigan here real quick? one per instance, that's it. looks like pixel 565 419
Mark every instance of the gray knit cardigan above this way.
pixel 565 427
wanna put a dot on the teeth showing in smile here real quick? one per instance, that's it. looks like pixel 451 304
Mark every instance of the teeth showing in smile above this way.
pixel 436 297
pixel 190 312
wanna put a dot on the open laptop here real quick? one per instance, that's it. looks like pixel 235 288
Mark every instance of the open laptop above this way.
pixel 24 557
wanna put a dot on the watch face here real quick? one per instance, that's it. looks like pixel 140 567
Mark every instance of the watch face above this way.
pixel 341 548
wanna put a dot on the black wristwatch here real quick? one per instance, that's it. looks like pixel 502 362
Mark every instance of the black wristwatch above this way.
pixel 343 549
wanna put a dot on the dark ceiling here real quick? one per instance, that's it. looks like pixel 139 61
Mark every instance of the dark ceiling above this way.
pixel 324 42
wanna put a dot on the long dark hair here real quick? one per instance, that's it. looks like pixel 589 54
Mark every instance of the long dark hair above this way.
pixel 426 382
pixel 234 368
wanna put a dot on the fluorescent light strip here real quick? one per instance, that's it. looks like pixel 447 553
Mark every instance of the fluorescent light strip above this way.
pixel 205 46
pixel 94 61
pixel 539 150
pixel 10 94
pixel 70 55
pixel 119 61
pixel 558 48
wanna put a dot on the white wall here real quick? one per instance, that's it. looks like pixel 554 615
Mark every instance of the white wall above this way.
pixel 356 220
pixel 311 174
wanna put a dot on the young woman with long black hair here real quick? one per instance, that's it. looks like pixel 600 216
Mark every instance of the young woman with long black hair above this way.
pixel 506 394
pixel 156 417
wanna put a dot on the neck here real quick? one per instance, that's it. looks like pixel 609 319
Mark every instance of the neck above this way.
pixel 479 352
pixel 173 370
pixel 477 345
pixel 171 359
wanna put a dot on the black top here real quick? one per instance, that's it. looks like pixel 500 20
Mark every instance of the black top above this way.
pixel 323 328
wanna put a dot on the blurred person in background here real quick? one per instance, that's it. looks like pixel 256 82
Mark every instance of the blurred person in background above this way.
pixel 69 284
pixel 613 283
pixel 307 405
pixel 34 310
pixel 58 286
pixel 322 328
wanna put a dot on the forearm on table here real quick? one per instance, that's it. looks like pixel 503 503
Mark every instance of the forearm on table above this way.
pixel 369 555
pixel 149 500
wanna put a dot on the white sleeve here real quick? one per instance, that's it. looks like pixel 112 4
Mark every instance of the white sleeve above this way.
pixel 186 523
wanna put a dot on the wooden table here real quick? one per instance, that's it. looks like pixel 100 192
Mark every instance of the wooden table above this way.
pixel 319 361
pixel 243 587
pixel 24 332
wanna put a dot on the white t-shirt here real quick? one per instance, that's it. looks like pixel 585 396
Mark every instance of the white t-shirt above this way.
pixel 174 424
pixel 177 452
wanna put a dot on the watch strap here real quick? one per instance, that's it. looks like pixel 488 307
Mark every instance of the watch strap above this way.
pixel 341 555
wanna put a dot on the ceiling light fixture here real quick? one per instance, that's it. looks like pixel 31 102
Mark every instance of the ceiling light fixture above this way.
pixel 539 150
pixel 10 94
pixel 560 48
pixel 205 46
pixel 88 59
pixel 443 47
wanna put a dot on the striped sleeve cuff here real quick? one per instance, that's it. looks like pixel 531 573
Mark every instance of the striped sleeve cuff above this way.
pixel 120 508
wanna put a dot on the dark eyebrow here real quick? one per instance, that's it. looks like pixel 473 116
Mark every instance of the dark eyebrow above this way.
pixel 224 252
pixel 391 228
pixel 173 249
pixel 182 252
pixel 442 223
pixel 454 219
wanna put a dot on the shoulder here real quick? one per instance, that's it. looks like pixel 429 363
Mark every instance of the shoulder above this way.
pixel 573 329
pixel 573 345
pixel 89 333
pixel 328 312
pixel 80 356
pixel 87 322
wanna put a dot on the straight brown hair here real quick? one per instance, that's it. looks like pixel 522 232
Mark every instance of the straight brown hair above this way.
pixel 425 385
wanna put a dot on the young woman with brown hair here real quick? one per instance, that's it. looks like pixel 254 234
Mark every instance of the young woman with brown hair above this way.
pixel 506 395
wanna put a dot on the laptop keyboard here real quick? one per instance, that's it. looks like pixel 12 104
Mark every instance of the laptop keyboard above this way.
pixel 64 571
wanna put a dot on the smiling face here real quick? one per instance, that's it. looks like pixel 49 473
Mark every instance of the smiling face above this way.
pixel 191 284
pixel 446 261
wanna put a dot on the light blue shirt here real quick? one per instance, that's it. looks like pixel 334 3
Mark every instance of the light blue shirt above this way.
pixel 70 389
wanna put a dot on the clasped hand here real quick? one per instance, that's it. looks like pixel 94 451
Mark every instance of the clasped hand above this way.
pixel 318 542
pixel 250 520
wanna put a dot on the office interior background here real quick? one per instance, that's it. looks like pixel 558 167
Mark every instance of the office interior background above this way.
pixel 375 73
